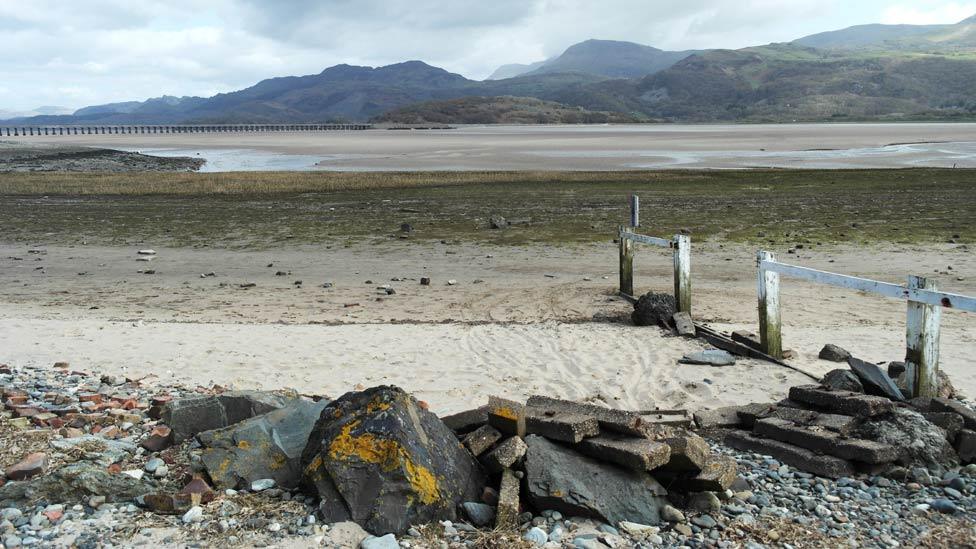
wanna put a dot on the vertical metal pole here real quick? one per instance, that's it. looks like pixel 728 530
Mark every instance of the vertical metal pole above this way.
pixel 626 264
pixel 634 211
pixel 922 354
pixel 770 334
pixel 682 272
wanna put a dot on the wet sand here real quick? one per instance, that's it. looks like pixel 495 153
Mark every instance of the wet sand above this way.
pixel 570 147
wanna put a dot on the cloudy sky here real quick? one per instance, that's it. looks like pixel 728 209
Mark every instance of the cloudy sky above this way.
pixel 81 52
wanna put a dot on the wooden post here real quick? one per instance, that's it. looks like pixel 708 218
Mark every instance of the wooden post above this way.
pixel 770 334
pixel 922 354
pixel 626 264
pixel 634 211
pixel 682 272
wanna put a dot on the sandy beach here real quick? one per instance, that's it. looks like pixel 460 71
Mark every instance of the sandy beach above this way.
pixel 607 147
pixel 518 321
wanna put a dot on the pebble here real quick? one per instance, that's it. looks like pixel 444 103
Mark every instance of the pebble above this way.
pixel 263 484
pixel 536 536
pixel 195 514
pixel 388 541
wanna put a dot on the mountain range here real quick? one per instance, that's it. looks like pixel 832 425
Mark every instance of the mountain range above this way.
pixel 867 72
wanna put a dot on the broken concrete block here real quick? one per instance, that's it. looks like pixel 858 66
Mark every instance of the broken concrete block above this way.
pixel 875 381
pixel 635 453
pixel 563 427
pixel 966 446
pixel 505 455
pixel 620 421
pixel 684 324
pixel 716 475
pixel 563 480
pixel 689 452
pixel 842 380
pixel 949 405
pixel 507 416
pixel 670 418
pixel 719 417
pixel 482 438
pixel 467 421
pixel 507 511
pixel 189 416
pixel 840 424
pixel 268 446
pixel 833 353
pixel 950 422
pixel 749 413
pixel 822 441
pixel 841 402
pixel 709 357
pixel 801 458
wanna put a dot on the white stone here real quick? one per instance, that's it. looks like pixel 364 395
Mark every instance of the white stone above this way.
pixel 195 514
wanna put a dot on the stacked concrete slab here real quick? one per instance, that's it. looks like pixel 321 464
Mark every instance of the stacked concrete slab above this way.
pixel 643 450
pixel 833 432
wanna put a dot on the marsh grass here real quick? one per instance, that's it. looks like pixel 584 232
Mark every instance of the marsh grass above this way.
pixel 267 209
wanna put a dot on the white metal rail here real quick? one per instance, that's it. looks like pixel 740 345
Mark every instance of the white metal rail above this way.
pixel 925 304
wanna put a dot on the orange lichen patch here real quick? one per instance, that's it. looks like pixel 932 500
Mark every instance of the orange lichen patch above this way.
pixel 556 493
pixel 315 469
pixel 506 413
pixel 277 461
pixel 337 413
pixel 389 455
pixel 243 444
pixel 377 405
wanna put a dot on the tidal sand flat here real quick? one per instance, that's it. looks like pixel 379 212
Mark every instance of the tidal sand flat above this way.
pixel 559 148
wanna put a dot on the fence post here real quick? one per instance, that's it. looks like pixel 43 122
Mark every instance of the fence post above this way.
pixel 626 264
pixel 682 272
pixel 634 211
pixel 770 335
pixel 922 354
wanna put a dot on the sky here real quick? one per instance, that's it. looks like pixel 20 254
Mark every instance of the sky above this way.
pixel 74 53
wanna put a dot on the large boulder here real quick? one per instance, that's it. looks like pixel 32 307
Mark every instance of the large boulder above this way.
pixel 654 310
pixel 923 444
pixel 266 446
pixel 192 415
pixel 563 480
pixel 376 457
pixel 74 483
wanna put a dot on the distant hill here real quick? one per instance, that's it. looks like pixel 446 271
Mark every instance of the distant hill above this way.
pixel 871 72
pixel 788 82
pixel 499 110
pixel 515 69
pixel 920 38
pixel 608 58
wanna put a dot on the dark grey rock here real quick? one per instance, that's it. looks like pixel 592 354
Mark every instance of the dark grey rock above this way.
pixel 560 479
pixel 189 416
pixel 478 513
pixel 833 353
pixel 378 458
pixel 268 446
pixel 842 380
pixel 654 310
pixel 74 483
pixel 875 381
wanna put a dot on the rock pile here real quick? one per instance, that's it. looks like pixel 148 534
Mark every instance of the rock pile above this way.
pixel 854 421
pixel 585 460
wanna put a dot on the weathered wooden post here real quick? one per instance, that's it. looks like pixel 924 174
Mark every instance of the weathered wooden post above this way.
pixel 682 272
pixel 922 354
pixel 770 334
pixel 626 263
pixel 634 211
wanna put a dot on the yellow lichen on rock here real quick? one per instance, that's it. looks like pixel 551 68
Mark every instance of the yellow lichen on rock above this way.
pixel 389 455
pixel 506 413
